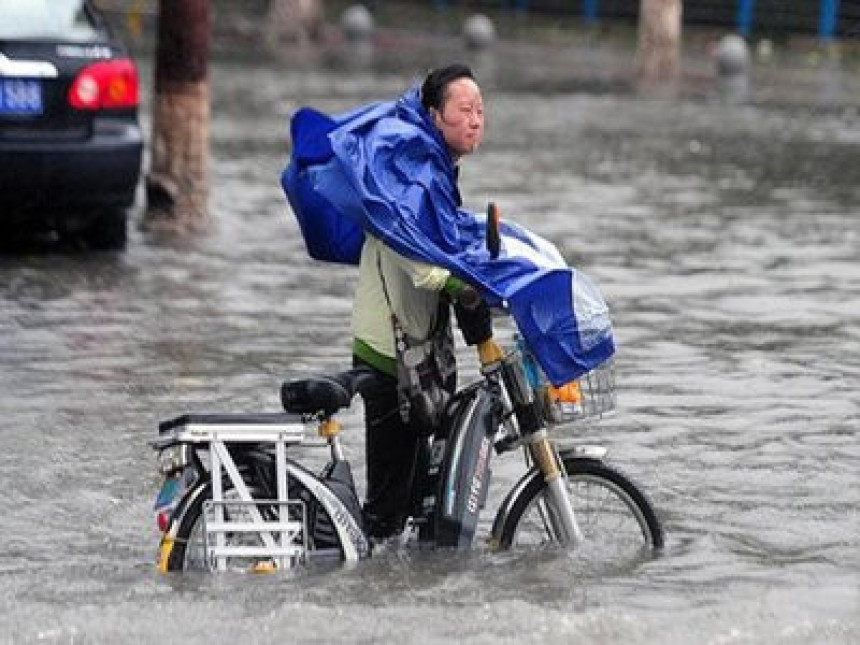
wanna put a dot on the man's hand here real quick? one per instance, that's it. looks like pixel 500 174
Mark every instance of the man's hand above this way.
pixel 473 317
pixel 469 298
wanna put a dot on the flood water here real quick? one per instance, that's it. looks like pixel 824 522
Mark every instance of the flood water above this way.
pixel 726 239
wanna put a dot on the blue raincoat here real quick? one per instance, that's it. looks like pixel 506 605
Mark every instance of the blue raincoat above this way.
pixel 384 168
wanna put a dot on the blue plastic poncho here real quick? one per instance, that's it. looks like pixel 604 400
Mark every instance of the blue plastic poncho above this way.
pixel 384 169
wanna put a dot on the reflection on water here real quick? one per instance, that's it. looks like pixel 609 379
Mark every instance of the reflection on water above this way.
pixel 725 238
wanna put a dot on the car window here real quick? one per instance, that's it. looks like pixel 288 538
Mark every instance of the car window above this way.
pixel 46 20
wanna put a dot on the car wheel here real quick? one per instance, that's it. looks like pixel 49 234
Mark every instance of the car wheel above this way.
pixel 108 231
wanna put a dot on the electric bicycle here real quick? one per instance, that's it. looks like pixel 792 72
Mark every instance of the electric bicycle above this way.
pixel 234 496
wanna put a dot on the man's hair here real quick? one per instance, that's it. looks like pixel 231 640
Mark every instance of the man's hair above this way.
pixel 436 84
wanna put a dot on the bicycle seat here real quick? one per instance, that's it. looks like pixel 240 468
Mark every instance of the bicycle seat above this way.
pixel 324 394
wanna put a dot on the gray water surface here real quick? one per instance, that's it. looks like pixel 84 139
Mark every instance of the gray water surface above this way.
pixel 726 239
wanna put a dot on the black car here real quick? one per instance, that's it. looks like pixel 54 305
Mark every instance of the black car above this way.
pixel 70 140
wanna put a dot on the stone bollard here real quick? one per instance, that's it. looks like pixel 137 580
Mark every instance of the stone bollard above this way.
pixel 357 23
pixel 733 61
pixel 479 32
pixel 732 56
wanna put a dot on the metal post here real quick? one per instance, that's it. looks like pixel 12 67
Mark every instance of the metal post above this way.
pixel 828 19
pixel 283 494
pixel 746 9
pixel 590 10
pixel 217 501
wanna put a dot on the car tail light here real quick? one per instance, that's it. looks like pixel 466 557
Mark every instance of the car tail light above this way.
pixel 106 85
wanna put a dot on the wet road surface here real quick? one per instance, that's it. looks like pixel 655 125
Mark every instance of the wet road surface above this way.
pixel 725 238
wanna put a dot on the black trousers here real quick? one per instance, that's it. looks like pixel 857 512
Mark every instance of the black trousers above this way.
pixel 391 448
pixel 394 447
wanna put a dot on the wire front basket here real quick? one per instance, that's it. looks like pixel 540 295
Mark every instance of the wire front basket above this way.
pixel 592 395
pixel 598 390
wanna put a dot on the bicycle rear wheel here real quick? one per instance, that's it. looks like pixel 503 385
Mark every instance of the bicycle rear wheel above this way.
pixel 189 549
pixel 616 518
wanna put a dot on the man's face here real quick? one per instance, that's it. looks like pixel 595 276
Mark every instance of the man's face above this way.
pixel 461 117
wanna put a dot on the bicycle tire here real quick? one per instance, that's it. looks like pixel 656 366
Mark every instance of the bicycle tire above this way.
pixel 188 552
pixel 599 492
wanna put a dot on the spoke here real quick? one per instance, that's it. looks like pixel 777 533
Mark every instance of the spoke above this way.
pixel 606 515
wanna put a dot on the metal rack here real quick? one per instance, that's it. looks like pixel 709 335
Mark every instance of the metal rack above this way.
pixel 277 527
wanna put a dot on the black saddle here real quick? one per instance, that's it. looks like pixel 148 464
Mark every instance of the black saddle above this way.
pixel 323 394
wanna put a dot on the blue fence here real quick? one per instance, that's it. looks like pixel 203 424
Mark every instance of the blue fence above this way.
pixel 828 19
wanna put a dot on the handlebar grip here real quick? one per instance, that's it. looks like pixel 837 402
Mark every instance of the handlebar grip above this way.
pixel 494 240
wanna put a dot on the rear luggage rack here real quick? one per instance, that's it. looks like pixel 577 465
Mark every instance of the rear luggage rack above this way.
pixel 239 428
pixel 276 529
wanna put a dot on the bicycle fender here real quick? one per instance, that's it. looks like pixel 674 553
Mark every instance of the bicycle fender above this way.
pixel 352 539
pixel 597 453
pixel 168 538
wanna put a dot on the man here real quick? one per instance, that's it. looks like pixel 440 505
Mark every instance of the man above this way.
pixel 377 187
pixel 398 296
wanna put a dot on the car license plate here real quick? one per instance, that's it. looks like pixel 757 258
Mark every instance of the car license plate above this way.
pixel 21 96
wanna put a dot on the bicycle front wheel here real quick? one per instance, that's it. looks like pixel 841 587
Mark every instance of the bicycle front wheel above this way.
pixel 614 515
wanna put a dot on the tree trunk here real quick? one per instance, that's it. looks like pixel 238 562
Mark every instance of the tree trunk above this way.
pixel 658 54
pixel 176 188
